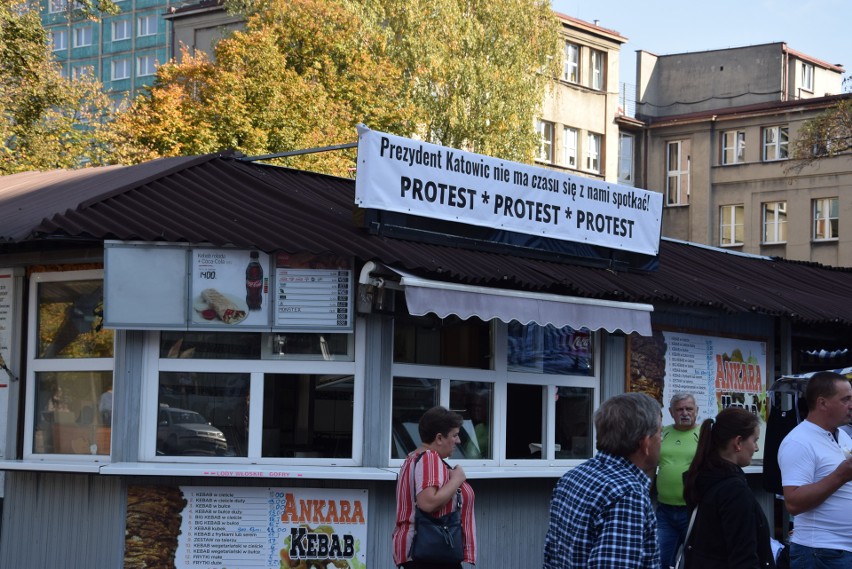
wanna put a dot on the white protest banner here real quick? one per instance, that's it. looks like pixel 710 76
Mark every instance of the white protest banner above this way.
pixel 418 178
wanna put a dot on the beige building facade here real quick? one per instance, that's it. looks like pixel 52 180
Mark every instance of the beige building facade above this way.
pixel 577 125
pixel 717 134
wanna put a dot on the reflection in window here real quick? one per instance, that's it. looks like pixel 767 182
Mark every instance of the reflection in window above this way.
pixel 524 421
pixel 549 350
pixel 474 400
pixel 210 345
pixel 308 416
pixel 441 341
pixel 411 398
pixel 71 412
pixel 574 422
pixel 203 414
pixel 70 320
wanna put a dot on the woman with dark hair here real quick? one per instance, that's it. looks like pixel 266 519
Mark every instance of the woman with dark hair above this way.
pixel 730 529
pixel 427 479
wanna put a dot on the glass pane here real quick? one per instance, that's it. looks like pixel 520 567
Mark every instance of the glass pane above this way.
pixel 574 422
pixel 549 350
pixel 474 400
pixel 307 416
pixel 70 320
pixel 411 398
pixel 441 341
pixel 210 345
pixel 203 414
pixel 73 412
pixel 524 425
pixel 305 346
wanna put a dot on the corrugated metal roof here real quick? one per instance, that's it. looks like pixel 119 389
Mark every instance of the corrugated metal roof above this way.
pixel 222 201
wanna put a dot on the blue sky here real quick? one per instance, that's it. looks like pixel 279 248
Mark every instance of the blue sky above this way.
pixel 819 28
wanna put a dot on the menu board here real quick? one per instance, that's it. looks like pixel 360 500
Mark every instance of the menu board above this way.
pixel 216 527
pixel 313 293
pixel 229 289
pixel 719 372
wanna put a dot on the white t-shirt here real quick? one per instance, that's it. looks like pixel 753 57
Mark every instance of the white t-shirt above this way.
pixel 808 454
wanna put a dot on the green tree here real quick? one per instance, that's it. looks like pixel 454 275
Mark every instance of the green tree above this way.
pixel 825 136
pixel 303 73
pixel 47 121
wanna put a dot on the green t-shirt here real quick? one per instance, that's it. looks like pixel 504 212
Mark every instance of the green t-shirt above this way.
pixel 676 454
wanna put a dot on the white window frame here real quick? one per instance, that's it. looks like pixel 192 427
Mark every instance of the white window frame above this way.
pixel 146 65
pixel 822 209
pixel 597 67
pixel 733 147
pixel 500 377
pixel 545 137
pixel 256 369
pixel 626 154
pixel 82 71
pixel 58 39
pixel 56 6
pixel 677 173
pixel 775 143
pixel 146 25
pixel 728 231
pixel 571 71
pixel 774 222
pixel 594 145
pixel 37 365
pixel 123 73
pixel 570 136
pixel 808 77
pixel 84 35
pixel 124 26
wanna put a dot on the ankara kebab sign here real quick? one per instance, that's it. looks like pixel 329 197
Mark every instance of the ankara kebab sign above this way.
pixel 418 178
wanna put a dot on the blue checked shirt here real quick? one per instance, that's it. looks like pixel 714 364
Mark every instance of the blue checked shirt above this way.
pixel 601 517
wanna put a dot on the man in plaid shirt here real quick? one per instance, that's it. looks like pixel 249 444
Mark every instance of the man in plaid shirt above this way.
pixel 601 514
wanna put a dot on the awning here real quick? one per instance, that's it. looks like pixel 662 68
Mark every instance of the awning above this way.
pixel 424 296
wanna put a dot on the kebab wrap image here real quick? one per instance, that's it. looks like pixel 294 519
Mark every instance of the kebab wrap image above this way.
pixel 225 308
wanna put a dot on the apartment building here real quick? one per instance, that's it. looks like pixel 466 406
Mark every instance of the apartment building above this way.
pixel 122 51
pixel 577 123
pixel 716 129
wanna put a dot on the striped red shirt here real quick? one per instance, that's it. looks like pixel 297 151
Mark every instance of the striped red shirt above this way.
pixel 429 471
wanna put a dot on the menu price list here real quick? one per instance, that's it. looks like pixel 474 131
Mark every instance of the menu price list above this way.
pixel 313 298
pixel 689 363
pixel 224 528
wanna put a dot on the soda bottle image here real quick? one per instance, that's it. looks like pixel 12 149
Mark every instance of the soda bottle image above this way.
pixel 254 282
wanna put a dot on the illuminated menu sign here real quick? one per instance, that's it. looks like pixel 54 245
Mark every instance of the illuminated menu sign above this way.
pixel 312 293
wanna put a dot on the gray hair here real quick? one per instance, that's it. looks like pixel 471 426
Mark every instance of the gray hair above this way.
pixel 680 397
pixel 621 422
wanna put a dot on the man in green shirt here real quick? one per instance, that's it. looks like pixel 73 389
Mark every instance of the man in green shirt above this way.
pixel 679 443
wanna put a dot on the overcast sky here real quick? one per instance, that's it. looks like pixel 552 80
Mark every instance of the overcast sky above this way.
pixel 819 28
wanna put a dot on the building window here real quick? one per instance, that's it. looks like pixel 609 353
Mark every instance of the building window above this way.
pixel 775 222
pixel 775 143
pixel 808 77
pixel 146 65
pixel 70 366
pixel 597 61
pixel 120 69
pixel 82 72
pixel 731 228
pixel 677 173
pixel 58 40
pixel 626 147
pixel 83 36
pixel 733 147
pixel 55 6
pixel 218 396
pixel 572 63
pixel 535 405
pixel 569 147
pixel 826 219
pixel 146 25
pixel 545 138
pixel 593 153
pixel 120 30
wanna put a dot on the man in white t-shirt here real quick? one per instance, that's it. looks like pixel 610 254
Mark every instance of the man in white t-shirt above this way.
pixel 816 475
